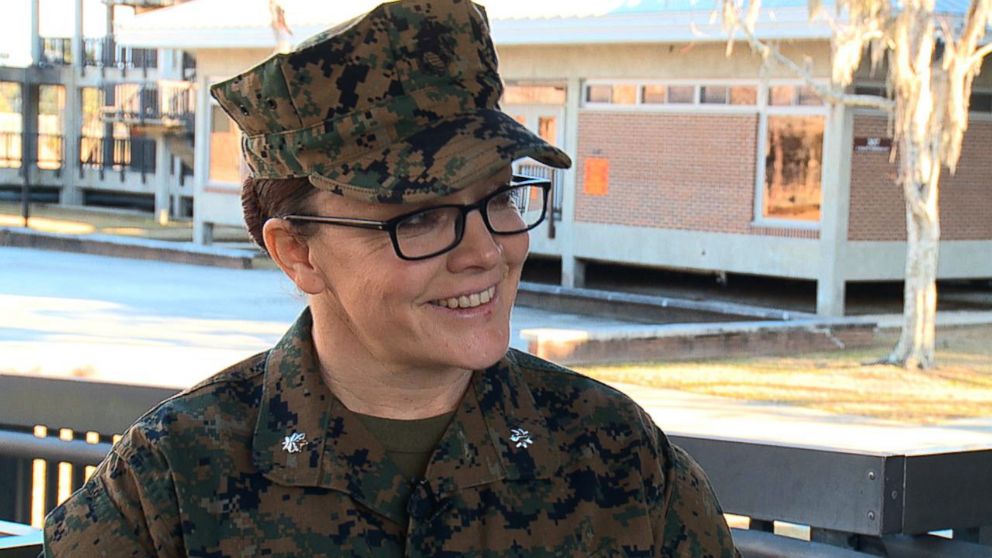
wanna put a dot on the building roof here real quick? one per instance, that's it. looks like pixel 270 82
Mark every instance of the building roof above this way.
pixel 198 24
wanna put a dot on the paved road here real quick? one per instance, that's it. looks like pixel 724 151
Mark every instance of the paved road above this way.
pixel 151 322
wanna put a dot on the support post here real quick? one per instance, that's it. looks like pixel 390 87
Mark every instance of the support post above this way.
pixel 29 140
pixel 834 211
pixel 162 161
pixel 72 125
pixel 572 269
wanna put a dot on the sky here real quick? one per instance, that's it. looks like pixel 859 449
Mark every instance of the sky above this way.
pixel 56 21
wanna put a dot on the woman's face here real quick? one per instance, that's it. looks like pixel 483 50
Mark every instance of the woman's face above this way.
pixel 399 312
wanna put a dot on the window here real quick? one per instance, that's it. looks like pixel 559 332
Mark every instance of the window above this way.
pixel 533 95
pixel 743 95
pixel 625 94
pixel 10 124
pixel 51 106
pixel 654 94
pixel 793 95
pixel 91 146
pixel 599 94
pixel 781 95
pixel 225 150
pixel 713 95
pixel 793 159
pixel 547 128
pixel 980 102
pixel 807 96
pixel 876 90
pixel 683 94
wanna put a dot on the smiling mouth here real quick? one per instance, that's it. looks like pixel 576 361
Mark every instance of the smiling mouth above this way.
pixel 467 301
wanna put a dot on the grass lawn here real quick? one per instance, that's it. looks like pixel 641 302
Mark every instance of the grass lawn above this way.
pixel 840 381
pixel 71 220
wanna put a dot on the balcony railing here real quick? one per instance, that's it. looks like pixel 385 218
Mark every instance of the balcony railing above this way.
pixel 106 53
pixel 168 103
pixel 136 154
pixel 10 150
pixel 56 51
pixel 189 66
pixel 50 155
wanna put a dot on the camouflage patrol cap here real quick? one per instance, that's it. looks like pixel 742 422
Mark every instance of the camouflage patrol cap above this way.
pixel 396 106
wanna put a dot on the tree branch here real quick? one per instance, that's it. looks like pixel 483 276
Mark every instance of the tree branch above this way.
pixel 829 94
pixel 975 23
pixel 980 54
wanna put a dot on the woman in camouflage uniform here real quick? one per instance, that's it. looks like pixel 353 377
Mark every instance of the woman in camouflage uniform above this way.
pixel 391 420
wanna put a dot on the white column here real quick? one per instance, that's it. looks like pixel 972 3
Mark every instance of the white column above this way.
pixel 162 198
pixel 203 230
pixel 835 210
pixel 572 270
pixel 77 37
pixel 33 25
pixel 72 192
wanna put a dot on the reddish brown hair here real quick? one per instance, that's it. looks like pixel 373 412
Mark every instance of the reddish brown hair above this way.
pixel 265 198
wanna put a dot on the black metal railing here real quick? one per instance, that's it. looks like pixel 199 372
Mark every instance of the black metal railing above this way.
pixel 105 52
pixel 538 170
pixel 10 150
pixel 56 51
pixel 168 102
pixel 55 421
pixel 136 154
pixel 843 498
pixel 189 66
pixel 50 150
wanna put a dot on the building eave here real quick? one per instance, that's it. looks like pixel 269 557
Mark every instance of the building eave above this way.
pixel 667 27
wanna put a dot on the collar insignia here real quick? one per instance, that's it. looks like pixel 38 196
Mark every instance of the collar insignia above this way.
pixel 294 442
pixel 521 437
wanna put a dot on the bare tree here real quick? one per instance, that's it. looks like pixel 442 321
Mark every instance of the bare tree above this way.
pixel 277 19
pixel 930 62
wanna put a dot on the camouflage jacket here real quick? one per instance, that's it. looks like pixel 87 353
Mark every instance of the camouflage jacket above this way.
pixel 262 460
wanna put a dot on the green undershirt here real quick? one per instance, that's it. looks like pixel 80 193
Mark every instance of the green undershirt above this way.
pixel 409 443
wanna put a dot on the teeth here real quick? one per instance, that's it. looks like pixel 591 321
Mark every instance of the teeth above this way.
pixel 467 301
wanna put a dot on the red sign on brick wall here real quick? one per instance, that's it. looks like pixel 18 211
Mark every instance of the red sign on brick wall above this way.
pixel 597 176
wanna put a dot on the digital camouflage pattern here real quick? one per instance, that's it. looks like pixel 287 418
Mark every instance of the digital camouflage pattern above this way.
pixel 206 474
pixel 396 106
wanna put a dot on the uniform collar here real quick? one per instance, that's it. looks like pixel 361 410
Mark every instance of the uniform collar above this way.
pixel 497 433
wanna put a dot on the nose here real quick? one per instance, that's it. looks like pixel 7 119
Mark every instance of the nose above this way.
pixel 478 248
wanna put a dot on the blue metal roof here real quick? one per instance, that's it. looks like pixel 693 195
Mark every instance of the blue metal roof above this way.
pixel 956 7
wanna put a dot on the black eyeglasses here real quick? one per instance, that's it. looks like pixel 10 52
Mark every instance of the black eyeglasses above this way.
pixel 515 208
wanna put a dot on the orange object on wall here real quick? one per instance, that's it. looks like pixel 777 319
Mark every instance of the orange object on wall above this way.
pixel 597 176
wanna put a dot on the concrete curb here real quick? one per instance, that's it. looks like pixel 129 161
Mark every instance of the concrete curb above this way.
pixel 645 307
pixel 695 341
pixel 126 247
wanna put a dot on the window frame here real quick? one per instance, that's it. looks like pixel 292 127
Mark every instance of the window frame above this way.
pixel 208 181
pixel 766 110
pixel 695 106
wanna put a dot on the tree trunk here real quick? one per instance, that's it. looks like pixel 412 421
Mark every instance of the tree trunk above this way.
pixel 918 339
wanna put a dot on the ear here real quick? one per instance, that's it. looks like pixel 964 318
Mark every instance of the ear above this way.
pixel 292 254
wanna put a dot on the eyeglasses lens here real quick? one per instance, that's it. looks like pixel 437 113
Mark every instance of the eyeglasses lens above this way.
pixel 436 230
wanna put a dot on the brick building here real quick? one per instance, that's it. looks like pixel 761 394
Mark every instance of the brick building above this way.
pixel 685 157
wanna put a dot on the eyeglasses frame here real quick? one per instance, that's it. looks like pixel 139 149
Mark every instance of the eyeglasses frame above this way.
pixel 390 225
